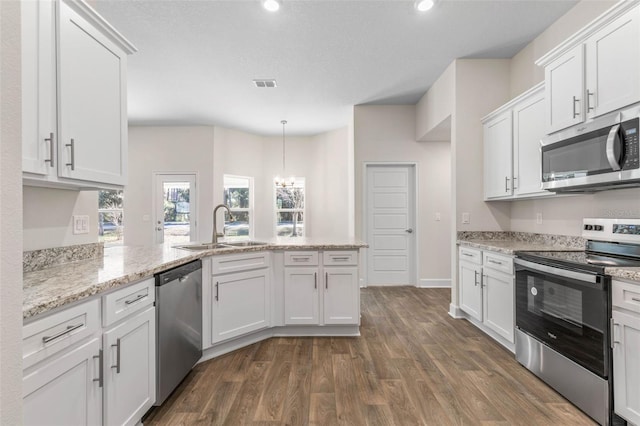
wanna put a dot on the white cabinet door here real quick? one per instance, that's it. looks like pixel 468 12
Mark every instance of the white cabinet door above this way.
pixel 626 366
pixel 130 369
pixel 341 296
pixel 498 289
pixel 528 129
pixel 564 91
pixel 240 304
pixel 613 65
pixel 65 391
pixel 301 301
pixel 497 156
pixel 469 276
pixel 38 87
pixel 91 103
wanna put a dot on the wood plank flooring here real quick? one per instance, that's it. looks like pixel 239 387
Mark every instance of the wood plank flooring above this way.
pixel 413 365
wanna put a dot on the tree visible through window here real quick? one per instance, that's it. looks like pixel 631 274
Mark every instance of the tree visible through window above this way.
pixel 290 209
pixel 238 194
pixel 110 218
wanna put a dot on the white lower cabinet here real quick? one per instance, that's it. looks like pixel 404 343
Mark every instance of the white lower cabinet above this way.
pixel 129 363
pixel 626 350
pixel 486 285
pixel 65 390
pixel 322 294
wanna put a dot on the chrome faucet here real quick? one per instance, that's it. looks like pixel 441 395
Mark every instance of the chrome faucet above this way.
pixel 216 234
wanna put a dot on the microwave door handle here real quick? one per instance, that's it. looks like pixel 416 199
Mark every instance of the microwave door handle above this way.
pixel 611 141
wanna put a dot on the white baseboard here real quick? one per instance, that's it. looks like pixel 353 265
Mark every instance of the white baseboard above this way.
pixel 456 312
pixel 434 283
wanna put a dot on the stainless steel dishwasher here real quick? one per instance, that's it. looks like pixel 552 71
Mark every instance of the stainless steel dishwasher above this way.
pixel 178 326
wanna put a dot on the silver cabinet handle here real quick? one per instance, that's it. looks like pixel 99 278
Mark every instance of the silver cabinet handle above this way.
pixel 513 182
pixel 100 378
pixel 409 231
pixel 482 277
pixel 635 299
pixel 345 258
pixel 494 262
pixel 73 154
pixel 475 278
pixel 315 280
pixel 300 259
pixel 589 94
pixel 613 333
pixel 506 184
pixel 140 297
pixel 217 294
pixel 575 101
pixel 69 329
pixel 117 346
pixel 326 280
pixel 610 148
pixel 467 254
pixel 51 141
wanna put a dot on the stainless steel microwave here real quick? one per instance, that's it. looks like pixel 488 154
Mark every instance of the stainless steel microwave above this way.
pixel 599 155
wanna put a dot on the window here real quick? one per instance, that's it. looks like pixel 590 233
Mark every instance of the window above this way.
pixel 110 218
pixel 290 209
pixel 238 195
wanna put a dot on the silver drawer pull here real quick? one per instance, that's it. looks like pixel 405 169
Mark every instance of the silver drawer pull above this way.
pixel 51 142
pixel 300 259
pixel 467 254
pixel 495 262
pixel 340 258
pixel 100 378
pixel 635 299
pixel 69 329
pixel 140 297
pixel 72 145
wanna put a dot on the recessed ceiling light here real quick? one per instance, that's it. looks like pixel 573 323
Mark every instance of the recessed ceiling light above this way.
pixel 271 5
pixel 423 5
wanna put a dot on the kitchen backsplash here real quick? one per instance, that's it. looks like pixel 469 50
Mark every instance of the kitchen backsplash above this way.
pixel 545 239
pixel 39 259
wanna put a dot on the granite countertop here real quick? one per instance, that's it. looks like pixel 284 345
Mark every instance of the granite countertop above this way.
pixel 625 273
pixel 511 247
pixel 56 286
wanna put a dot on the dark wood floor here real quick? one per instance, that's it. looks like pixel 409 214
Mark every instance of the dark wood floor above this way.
pixel 413 365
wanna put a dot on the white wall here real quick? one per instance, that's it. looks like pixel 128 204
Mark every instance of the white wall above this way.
pixel 387 133
pixel 48 220
pixel 166 149
pixel 11 214
pixel 436 105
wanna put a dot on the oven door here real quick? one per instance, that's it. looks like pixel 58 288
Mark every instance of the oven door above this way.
pixel 567 310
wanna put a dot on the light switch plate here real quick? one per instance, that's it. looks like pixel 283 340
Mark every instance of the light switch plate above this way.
pixel 466 218
pixel 80 224
pixel 539 218
pixel 438 216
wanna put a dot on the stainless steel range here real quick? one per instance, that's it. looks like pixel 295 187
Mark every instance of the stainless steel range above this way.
pixel 563 313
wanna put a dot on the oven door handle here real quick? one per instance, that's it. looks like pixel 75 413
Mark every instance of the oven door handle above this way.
pixel 580 276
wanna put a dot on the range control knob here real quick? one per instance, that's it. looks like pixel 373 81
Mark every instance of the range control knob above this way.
pixel 598 228
pixel 588 227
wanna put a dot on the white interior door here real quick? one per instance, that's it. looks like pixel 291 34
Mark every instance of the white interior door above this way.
pixel 390 224
pixel 175 208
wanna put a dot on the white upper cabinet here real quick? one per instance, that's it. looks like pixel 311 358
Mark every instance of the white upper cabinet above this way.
pixel 498 173
pixel 512 161
pixel 74 97
pixel 564 79
pixel 595 71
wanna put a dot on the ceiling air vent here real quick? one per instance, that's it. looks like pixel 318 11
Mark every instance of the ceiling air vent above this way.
pixel 265 83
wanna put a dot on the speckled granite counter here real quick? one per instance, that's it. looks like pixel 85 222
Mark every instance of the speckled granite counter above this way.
pixel 512 247
pixel 51 288
pixel 632 274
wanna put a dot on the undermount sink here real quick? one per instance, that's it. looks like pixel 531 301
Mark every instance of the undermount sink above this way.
pixel 212 246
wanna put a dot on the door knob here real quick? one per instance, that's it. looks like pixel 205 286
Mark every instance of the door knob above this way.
pixel 408 231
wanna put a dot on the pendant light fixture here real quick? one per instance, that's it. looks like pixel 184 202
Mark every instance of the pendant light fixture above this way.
pixel 284 182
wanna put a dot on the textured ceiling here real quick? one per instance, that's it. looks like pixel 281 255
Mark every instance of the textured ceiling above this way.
pixel 197 59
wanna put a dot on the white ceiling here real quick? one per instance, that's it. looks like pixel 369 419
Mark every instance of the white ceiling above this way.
pixel 197 59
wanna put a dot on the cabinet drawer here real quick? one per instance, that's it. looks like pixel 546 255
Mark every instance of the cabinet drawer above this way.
pixel 470 255
pixel 299 258
pixel 336 258
pixel 498 262
pixel 626 296
pixel 239 262
pixel 128 300
pixel 49 335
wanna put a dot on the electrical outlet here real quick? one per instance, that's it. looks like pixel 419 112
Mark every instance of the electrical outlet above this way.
pixel 466 218
pixel 539 218
pixel 438 217
pixel 80 224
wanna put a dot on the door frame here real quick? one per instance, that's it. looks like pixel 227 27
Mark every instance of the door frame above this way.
pixel 414 271
pixel 193 206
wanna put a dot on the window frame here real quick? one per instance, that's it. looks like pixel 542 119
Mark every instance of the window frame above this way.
pixel 249 210
pixel 298 180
